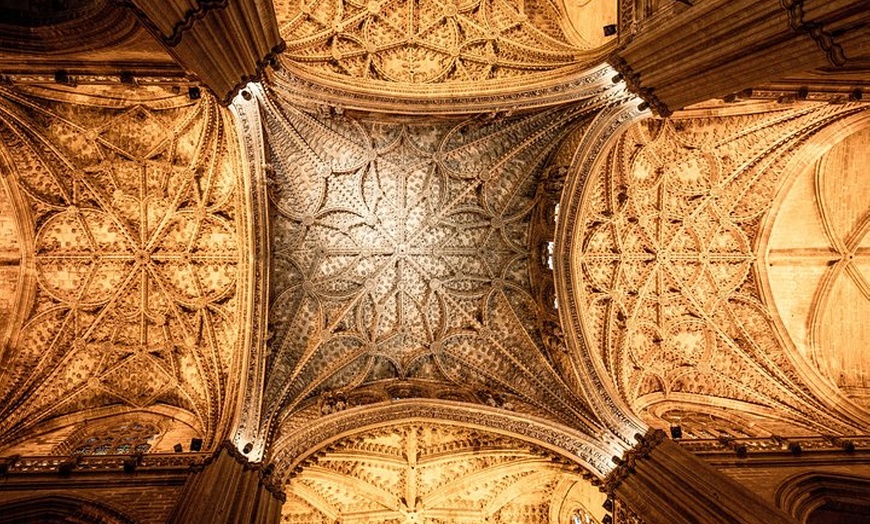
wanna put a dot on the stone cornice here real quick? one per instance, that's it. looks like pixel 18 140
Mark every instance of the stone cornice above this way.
pixel 815 30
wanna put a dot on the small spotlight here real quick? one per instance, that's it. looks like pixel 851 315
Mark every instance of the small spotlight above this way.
pixel 610 30
pixel 194 93
pixel 127 78
pixel 676 432
pixel 607 520
pixel 608 505
pixel 61 77
pixel 248 447
pixel 178 448
pixel 195 444
pixel 246 94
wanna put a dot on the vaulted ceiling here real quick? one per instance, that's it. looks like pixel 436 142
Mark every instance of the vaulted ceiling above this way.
pixel 368 268
pixel 126 261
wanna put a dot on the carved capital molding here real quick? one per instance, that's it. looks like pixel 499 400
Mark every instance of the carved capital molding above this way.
pixel 633 82
pixel 264 472
pixel 625 466
pixel 824 39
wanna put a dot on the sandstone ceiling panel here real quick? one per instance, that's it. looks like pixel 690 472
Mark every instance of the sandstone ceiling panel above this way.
pixel 668 295
pixel 401 254
pixel 135 214
pixel 818 265
pixel 420 49
pixel 433 474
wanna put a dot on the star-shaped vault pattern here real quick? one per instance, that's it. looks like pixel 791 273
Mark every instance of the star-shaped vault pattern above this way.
pixel 401 251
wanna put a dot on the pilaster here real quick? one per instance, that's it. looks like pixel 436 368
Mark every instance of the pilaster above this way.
pixel 718 47
pixel 229 490
pixel 668 485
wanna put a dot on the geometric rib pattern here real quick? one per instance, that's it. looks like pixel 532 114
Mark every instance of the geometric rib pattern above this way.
pixel 671 305
pixel 820 278
pixel 424 41
pixel 137 259
pixel 420 473
pixel 401 251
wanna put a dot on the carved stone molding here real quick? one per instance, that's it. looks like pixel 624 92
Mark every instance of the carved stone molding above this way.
pixel 290 449
pixel 595 141
pixel 579 83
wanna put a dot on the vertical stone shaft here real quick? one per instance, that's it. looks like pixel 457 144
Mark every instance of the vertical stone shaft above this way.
pixel 225 43
pixel 719 47
pixel 228 490
pixel 668 485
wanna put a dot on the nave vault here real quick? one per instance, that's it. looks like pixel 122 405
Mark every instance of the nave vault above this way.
pixel 432 261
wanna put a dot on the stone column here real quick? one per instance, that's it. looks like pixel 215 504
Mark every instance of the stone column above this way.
pixel 665 484
pixel 225 43
pixel 229 490
pixel 719 47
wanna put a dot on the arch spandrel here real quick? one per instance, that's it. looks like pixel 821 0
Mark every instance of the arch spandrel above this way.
pixel 444 56
pixel 664 254
pixel 140 266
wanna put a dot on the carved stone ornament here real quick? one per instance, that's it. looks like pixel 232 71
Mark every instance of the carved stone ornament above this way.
pixel 401 250
pixel 662 263
pixel 423 472
pixel 131 218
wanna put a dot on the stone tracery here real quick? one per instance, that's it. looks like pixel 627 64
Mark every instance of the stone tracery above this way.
pixel 136 254
pixel 414 42
pixel 418 473
pixel 665 266
pixel 401 251
pixel 409 263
